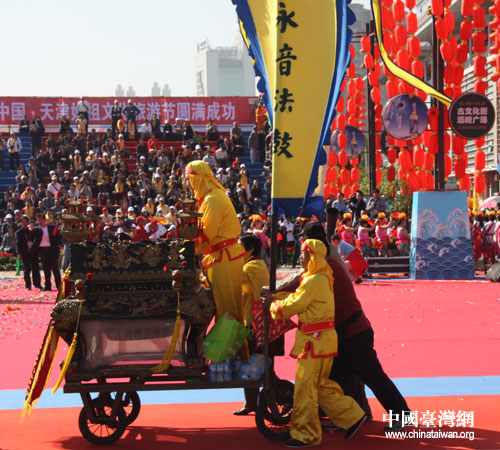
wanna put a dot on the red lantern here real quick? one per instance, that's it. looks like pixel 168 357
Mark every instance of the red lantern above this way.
pixel 378 159
pixel 417 68
pixel 340 104
pixel 405 160
pixel 479 42
pixel 412 22
pixel 378 176
pixel 467 7
pixel 480 86
pixel 462 53
pixel 351 88
pixel 479 183
pixel 465 30
pixel 441 29
pixel 422 178
pixel 391 155
pixel 344 176
pixel 351 106
pixel 402 58
pixel 332 159
pixel 478 17
pixel 391 174
pixel 399 11
pixel 342 156
pixel 437 8
pixel 376 95
pixel 464 183
pixel 458 145
pixel 414 46
pixel 342 142
pixel 341 122
pixel 449 18
pixel 354 174
pixel 418 157
pixel 433 114
pixel 410 4
pixel 428 161
pixel 480 141
pixel 401 174
pixel 346 190
pixel 366 45
pixel 401 35
pixel 368 59
pixel 354 162
pixel 433 144
pixel 459 167
pixel 412 180
pixel 479 160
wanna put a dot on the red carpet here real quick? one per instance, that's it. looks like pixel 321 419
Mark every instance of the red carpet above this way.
pixel 422 328
pixel 212 426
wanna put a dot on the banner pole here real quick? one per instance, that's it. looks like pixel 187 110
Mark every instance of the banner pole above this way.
pixel 274 248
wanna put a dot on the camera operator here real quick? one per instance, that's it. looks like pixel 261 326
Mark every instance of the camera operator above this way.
pixel 356 205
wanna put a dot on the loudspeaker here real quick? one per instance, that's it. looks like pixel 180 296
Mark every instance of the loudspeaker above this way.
pixel 494 273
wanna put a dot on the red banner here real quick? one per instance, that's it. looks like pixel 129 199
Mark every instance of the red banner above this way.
pixel 222 110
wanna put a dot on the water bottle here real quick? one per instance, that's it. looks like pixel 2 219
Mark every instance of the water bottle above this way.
pixel 228 370
pixel 211 371
pixel 219 372
pixel 237 368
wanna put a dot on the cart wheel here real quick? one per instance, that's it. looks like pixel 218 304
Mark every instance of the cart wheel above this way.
pixel 103 429
pixel 276 428
pixel 131 403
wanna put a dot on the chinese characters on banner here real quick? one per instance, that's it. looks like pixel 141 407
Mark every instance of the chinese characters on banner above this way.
pixel 432 419
pixel 222 110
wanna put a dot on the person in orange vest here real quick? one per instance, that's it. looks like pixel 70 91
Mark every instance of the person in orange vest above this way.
pixel 260 116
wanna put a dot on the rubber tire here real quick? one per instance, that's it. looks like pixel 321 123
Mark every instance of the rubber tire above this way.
pixel 134 400
pixel 121 424
pixel 276 428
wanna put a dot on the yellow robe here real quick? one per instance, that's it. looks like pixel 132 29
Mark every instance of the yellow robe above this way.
pixel 313 302
pixel 220 229
pixel 255 276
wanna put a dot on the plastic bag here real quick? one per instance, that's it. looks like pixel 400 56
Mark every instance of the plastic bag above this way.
pixel 224 340
pixel 253 370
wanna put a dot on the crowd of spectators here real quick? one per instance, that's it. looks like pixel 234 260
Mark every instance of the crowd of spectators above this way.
pixel 132 171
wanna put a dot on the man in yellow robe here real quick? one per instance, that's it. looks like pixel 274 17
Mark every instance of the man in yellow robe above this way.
pixel 218 240
pixel 315 347
pixel 255 277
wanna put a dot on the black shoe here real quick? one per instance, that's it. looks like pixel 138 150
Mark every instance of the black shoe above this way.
pixel 46 288
pixel 397 425
pixel 294 443
pixel 350 432
pixel 358 281
pixel 243 411
pixel 330 426
pixel 38 286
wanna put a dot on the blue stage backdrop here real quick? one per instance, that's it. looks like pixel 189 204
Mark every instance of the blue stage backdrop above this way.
pixel 441 246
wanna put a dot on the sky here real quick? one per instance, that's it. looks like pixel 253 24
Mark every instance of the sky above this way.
pixel 73 48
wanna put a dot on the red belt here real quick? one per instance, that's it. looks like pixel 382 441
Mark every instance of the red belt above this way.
pixel 221 246
pixel 310 328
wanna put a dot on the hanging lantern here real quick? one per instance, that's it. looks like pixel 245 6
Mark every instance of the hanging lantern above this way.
pixel 342 156
pixel 412 22
pixel 368 60
pixel 354 162
pixel 428 161
pixel 378 176
pixel 341 122
pixel 441 29
pixel 459 167
pixel 340 104
pixel 467 7
pixel 458 145
pixel 344 176
pixel 366 45
pixel 378 159
pixel 391 155
pixel 391 174
pixel 449 18
pixel 418 157
pixel 437 7
pixel 464 183
pixel 332 159
pixel 479 142
pixel 479 160
pixel 354 174
pixel 412 180
pixel 342 142
pixel 479 183
pixel 346 190
pixel 465 30
pixel 405 160
pixel 433 144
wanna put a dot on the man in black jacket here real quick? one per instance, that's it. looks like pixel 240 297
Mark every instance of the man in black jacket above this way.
pixel 28 254
pixel 48 241
pixel 116 115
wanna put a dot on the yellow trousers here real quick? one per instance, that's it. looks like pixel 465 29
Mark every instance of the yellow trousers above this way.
pixel 313 389
pixel 225 280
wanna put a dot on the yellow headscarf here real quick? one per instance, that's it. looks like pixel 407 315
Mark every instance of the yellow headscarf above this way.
pixel 317 263
pixel 202 178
